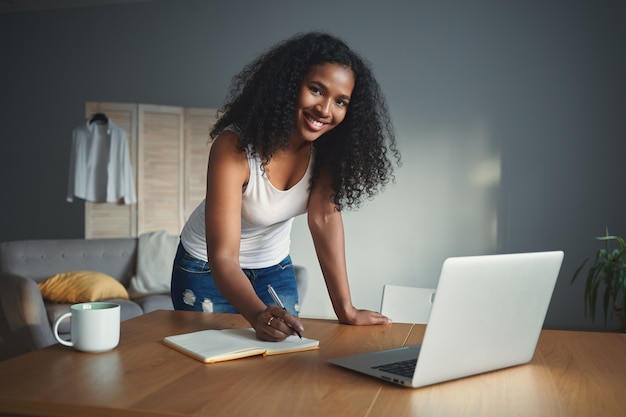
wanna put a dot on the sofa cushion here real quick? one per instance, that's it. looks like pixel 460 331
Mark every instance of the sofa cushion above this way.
pixel 81 286
pixel 39 259
pixel 155 302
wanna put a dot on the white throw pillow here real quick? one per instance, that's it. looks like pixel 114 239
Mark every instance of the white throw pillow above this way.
pixel 155 257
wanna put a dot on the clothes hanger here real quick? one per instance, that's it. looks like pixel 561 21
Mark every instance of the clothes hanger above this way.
pixel 99 118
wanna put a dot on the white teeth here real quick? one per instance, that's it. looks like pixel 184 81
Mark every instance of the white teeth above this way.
pixel 314 122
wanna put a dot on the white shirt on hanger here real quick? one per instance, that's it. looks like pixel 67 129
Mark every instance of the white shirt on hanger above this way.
pixel 100 168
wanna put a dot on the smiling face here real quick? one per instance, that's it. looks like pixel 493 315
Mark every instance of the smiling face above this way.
pixel 322 100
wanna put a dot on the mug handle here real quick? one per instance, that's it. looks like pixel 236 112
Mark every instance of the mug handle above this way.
pixel 56 329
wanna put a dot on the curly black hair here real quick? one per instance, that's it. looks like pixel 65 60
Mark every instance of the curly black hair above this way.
pixel 359 152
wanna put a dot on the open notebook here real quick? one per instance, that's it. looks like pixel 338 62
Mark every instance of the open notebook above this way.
pixel 210 346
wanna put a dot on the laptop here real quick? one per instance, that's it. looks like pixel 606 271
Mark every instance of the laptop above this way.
pixel 487 315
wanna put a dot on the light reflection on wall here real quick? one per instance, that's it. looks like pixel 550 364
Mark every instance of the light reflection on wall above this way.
pixel 443 203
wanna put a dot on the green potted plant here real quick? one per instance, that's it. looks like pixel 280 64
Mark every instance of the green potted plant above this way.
pixel 608 272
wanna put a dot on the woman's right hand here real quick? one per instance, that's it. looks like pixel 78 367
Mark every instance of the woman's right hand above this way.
pixel 275 324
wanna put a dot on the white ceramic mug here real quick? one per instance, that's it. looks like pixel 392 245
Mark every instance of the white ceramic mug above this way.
pixel 95 327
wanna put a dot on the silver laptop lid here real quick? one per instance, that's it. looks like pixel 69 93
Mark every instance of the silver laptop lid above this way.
pixel 487 314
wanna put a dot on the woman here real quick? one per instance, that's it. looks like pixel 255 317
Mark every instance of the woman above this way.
pixel 305 130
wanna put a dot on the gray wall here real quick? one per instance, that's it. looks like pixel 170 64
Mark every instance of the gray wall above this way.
pixel 510 117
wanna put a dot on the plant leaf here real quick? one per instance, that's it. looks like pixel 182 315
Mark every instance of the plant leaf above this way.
pixel 594 279
pixel 607 238
pixel 580 268
pixel 606 303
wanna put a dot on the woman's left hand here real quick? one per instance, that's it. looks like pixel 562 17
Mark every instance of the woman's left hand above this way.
pixel 364 318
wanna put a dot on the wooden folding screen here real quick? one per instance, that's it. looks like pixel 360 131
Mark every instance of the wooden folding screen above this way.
pixel 169 149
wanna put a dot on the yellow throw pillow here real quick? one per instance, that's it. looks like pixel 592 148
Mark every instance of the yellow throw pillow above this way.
pixel 81 287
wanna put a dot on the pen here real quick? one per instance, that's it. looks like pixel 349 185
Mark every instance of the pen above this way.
pixel 280 304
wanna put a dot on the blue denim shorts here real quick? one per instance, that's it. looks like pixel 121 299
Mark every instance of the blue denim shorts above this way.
pixel 193 288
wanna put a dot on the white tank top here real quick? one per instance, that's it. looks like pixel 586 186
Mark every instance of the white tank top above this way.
pixel 266 218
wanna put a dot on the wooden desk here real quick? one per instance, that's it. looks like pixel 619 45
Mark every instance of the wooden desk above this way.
pixel 572 374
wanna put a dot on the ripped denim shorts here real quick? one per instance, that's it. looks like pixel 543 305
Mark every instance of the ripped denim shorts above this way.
pixel 193 288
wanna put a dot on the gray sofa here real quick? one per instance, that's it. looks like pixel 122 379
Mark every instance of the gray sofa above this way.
pixel 26 318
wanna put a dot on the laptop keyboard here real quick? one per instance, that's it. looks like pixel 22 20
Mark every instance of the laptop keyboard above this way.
pixel 403 368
